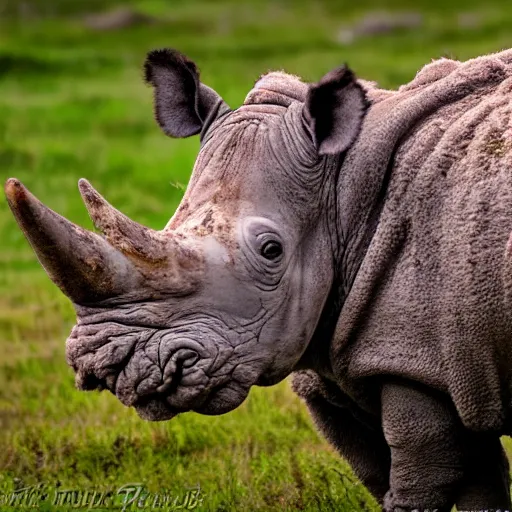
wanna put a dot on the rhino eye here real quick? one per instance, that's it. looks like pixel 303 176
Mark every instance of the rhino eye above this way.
pixel 271 250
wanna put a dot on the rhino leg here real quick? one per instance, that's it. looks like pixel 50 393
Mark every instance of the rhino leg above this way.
pixel 422 429
pixel 359 440
pixel 486 475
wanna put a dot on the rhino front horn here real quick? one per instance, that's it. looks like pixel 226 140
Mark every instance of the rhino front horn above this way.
pixel 81 263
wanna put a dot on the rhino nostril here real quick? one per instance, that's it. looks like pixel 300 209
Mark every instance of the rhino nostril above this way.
pixel 184 358
pixel 188 358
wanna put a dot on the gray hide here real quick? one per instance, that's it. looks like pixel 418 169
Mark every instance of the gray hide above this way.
pixel 430 301
pixel 429 304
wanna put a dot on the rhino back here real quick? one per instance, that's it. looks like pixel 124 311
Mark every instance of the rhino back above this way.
pixel 430 301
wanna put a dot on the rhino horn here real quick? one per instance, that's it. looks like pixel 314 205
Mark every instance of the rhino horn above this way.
pixel 81 263
pixel 130 237
pixel 147 248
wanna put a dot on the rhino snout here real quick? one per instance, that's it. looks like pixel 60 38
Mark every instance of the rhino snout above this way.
pixel 144 366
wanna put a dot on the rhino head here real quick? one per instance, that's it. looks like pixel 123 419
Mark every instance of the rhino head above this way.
pixel 231 292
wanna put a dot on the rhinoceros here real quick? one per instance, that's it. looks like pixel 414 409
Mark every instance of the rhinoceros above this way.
pixel 354 236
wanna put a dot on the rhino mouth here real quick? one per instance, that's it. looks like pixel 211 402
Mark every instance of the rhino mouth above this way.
pixel 157 372
pixel 155 409
pixel 219 400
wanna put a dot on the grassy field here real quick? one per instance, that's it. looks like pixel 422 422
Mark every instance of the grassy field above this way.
pixel 72 105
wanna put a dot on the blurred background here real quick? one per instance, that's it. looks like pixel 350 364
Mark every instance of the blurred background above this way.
pixel 72 105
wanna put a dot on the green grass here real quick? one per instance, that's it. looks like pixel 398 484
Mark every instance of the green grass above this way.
pixel 72 105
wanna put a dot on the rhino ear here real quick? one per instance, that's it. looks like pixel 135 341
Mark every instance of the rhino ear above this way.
pixel 183 105
pixel 334 111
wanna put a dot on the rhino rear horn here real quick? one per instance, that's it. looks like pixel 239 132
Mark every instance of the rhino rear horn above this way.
pixel 334 111
pixel 183 105
pixel 142 245
pixel 81 263
pixel 126 235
